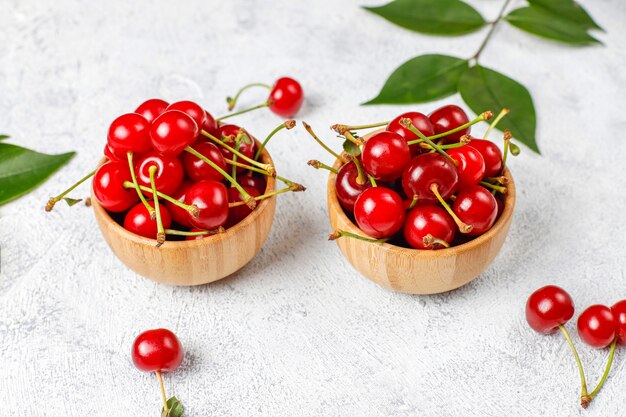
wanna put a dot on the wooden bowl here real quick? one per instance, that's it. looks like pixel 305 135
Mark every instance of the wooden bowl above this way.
pixel 416 271
pixel 192 262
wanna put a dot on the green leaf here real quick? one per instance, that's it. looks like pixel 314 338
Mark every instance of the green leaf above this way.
pixel 3 137
pixel 570 10
pixel 175 408
pixel 436 17
pixel 484 89
pixel 543 22
pixel 72 201
pixel 421 79
pixel 351 148
pixel 22 170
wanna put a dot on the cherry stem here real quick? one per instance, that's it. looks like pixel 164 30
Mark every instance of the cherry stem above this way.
pixel 494 187
pixel 463 227
pixel 199 233
pixel 162 387
pixel 131 166
pixel 322 144
pixel 192 209
pixel 372 180
pixel 267 167
pixel 289 124
pixel 232 101
pixel 54 200
pixel 295 187
pixel 360 178
pixel 341 129
pixel 348 135
pixel 157 208
pixel 507 139
pixel 413 201
pixel 606 370
pixel 237 113
pixel 490 33
pixel 261 171
pixel 407 123
pixel 320 165
pixel 483 116
pixel 342 233
pixel 430 240
pixel 493 124
pixel 581 371
pixel 234 168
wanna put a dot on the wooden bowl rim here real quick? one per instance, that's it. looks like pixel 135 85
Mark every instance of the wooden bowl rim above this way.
pixel 503 220
pixel 184 244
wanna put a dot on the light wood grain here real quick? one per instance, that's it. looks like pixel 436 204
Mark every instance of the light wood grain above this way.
pixel 192 262
pixel 420 271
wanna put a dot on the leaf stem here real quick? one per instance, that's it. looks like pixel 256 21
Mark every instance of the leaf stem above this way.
pixel 491 30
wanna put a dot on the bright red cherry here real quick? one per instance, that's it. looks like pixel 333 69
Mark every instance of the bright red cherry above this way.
pixel 385 156
pixel 138 220
pixel 151 109
pixel 476 207
pixel 447 118
pixel 108 187
pixel 157 350
pixel 238 213
pixel 254 181
pixel 210 125
pixel 228 134
pixel 193 110
pixel 471 165
pixel 111 155
pixel 432 220
pixel 619 312
pixel 172 132
pixel 129 133
pixel 597 326
pixel 421 123
pixel 199 170
pixel 491 155
pixel 286 97
pixel 179 215
pixel 379 212
pixel 347 187
pixel 211 198
pixel 547 308
pixel 424 171
pixel 168 176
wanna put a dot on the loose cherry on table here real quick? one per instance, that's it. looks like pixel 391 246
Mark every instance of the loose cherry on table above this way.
pixel 172 132
pixel 138 220
pixel 548 308
pixel 448 118
pixel 426 170
pixel 470 165
pixel 429 227
pixel 379 212
pixel 211 198
pixel 348 185
pixel 286 97
pixel 129 133
pixel 421 123
pixel 476 207
pixel 597 326
pixel 108 187
pixel 385 155
pixel 168 176
pixel 197 169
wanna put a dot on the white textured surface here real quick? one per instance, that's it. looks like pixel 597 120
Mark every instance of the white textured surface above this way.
pixel 297 332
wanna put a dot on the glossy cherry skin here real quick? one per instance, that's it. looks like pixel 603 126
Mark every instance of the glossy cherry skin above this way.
pixel 197 169
pixel 256 181
pixel 471 165
pixel 138 220
pixel 491 155
pixel 172 132
pixel 168 176
pixel 211 197
pixel 347 187
pixel 547 308
pixel 210 124
pixel 421 123
pixel 425 170
pixel 238 213
pixel 385 155
pixel 179 215
pixel 111 155
pixel 151 109
pixel 447 118
pixel 428 220
pixel 477 207
pixel 108 187
pixel 286 97
pixel 379 212
pixel 193 110
pixel 228 134
pixel 157 350
pixel 619 313
pixel 597 326
pixel 129 133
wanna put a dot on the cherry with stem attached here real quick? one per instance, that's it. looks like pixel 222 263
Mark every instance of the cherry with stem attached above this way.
pixel 285 98
pixel 160 238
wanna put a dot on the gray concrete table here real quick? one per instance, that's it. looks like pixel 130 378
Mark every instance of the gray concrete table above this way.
pixel 298 332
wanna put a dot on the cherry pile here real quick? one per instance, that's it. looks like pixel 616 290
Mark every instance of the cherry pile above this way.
pixel 422 182
pixel 173 171
pixel 549 308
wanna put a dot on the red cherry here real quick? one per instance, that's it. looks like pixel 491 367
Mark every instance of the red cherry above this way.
pixel 619 312
pixel 547 308
pixel 129 133
pixel 447 118
pixel 421 123
pixel 111 155
pixel 168 176
pixel 108 187
pixel 199 170
pixel 385 156
pixel 179 215
pixel 210 125
pixel 254 181
pixel 500 206
pixel 471 165
pixel 238 213
pixel 157 350
pixel 597 326
pixel 347 187
pixel 379 212
pixel 424 171
pixel 172 132
pixel 491 155
pixel 151 109
pixel 228 134
pixel 477 207
pixel 286 97
pixel 211 198
pixel 138 220
pixel 428 220
pixel 191 109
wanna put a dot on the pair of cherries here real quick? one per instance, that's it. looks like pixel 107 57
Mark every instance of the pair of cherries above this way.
pixel 549 308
